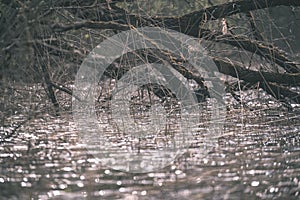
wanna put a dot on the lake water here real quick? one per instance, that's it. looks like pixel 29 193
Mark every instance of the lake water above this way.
pixel 257 156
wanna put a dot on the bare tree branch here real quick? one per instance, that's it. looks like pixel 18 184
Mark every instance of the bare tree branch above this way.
pixel 190 22
pixel 90 24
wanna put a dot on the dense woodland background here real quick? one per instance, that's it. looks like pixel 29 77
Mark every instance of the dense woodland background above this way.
pixel 255 42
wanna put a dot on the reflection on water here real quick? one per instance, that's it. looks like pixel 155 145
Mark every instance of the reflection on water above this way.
pixel 258 156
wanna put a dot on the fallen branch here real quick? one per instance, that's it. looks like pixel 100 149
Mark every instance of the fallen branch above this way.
pixel 235 70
